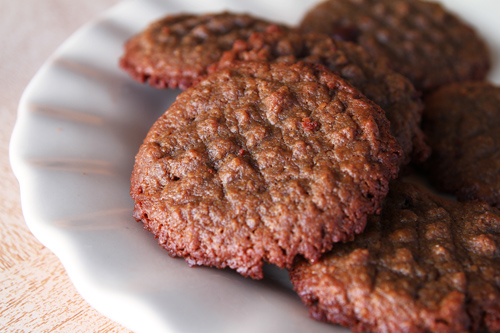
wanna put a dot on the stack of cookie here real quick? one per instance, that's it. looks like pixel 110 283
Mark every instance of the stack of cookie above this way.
pixel 286 144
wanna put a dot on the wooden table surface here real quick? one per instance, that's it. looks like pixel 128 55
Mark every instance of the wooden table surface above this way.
pixel 36 294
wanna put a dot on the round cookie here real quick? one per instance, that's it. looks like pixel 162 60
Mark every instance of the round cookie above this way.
pixel 176 50
pixel 261 162
pixel 462 122
pixel 426 264
pixel 390 90
pixel 419 39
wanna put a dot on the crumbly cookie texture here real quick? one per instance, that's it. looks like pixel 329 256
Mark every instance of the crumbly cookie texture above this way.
pixel 463 124
pixel 418 39
pixel 391 91
pixel 262 162
pixel 426 264
pixel 174 52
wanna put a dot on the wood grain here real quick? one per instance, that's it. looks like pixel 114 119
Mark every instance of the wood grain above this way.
pixel 36 294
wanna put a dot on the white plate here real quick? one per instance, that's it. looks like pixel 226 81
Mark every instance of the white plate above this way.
pixel 80 123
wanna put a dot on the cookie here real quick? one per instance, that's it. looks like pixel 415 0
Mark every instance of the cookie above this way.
pixel 261 162
pixel 462 122
pixel 426 264
pixel 418 39
pixel 390 90
pixel 175 51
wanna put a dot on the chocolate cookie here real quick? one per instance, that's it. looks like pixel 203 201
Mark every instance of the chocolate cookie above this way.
pixel 263 162
pixel 390 90
pixel 463 124
pixel 426 264
pixel 176 50
pixel 419 39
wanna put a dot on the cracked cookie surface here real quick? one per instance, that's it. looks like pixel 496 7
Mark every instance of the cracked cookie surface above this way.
pixel 462 122
pixel 174 52
pixel 426 264
pixel 261 162
pixel 419 39
pixel 394 93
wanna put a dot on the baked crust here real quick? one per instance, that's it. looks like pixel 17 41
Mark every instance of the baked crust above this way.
pixel 261 162
pixel 175 51
pixel 462 121
pixel 418 39
pixel 426 264
pixel 394 93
